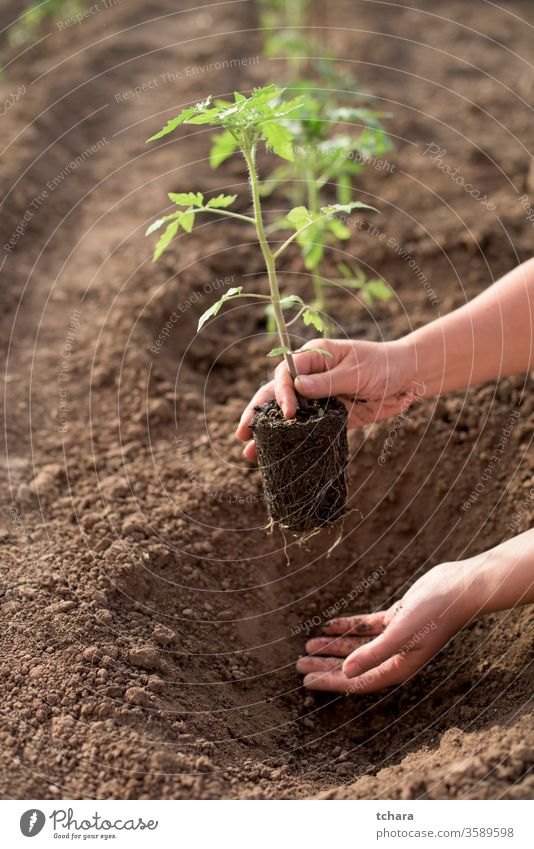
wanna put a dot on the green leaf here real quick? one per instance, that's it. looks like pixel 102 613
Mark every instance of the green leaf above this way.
pixel 173 123
pixel 278 352
pixel 161 221
pixel 345 270
pixel 187 198
pixel 291 301
pixel 312 249
pixel 221 201
pixel 346 207
pixel 379 289
pixel 312 317
pixel 316 351
pixel 299 217
pixel 214 309
pixel 165 239
pixel 340 230
pixel 224 144
pixel 187 220
pixel 279 139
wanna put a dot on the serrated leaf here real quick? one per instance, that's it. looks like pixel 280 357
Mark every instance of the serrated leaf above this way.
pixel 224 144
pixel 279 139
pixel 312 317
pixel 161 221
pixel 214 309
pixel 165 239
pixel 221 201
pixel 278 352
pixel 173 123
pixel 187 198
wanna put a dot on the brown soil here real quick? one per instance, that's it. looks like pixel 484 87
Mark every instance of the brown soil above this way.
pixel 149 624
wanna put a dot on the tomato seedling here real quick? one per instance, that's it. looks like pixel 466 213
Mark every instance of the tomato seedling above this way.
pixel 304 479
pixel 247 122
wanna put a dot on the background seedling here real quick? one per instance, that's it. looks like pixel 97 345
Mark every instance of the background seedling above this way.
pixel 327 162
pixel 30 21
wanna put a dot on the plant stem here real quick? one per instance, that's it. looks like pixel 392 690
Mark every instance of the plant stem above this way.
pixel 283 335
pixel 319 292
pixel 313 204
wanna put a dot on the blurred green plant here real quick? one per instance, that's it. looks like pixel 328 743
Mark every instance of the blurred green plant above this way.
pixel 283 23
pixel 28 25
pixel 326 160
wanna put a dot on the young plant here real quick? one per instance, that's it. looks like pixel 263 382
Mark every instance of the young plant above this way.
pixel 312 491
pixel 246 123
pixel 28 24
pixel 283 23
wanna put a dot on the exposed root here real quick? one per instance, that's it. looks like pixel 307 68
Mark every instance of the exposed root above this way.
pixel 303 465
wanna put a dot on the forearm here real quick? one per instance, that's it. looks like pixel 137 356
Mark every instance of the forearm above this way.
pixel 502 577
pixel 489 338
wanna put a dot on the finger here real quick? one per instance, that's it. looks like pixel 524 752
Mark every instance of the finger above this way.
pixel 249 451
pixel 329 682
pixel 339 647
pixel 395 670
pixel 377 651
pixel 363 412
pixel 310 362
pixel 366 625
pixel 284 391
pixel 339 380
pixel 265 393
pixel 317 664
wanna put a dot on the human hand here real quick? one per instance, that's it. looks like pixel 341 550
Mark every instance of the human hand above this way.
pixel 374 380
pixel 361 654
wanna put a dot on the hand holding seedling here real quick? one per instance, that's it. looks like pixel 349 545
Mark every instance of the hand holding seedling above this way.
pixel 310 490
pixel 374 380
pixel 361 654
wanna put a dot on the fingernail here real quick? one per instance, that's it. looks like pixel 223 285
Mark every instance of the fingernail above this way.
pixel 350 669
pixel 307 383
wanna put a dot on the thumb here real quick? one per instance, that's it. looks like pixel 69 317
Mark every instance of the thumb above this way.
pixel 338 381
pixel 372 654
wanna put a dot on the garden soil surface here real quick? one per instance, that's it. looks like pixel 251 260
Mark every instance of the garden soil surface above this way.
pixel 149 623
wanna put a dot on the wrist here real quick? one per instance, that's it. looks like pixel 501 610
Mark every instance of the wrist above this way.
pixel 503 576
pixel 475 593
pixel 412 379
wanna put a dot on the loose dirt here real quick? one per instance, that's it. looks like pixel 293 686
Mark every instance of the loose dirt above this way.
pixel 149 623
